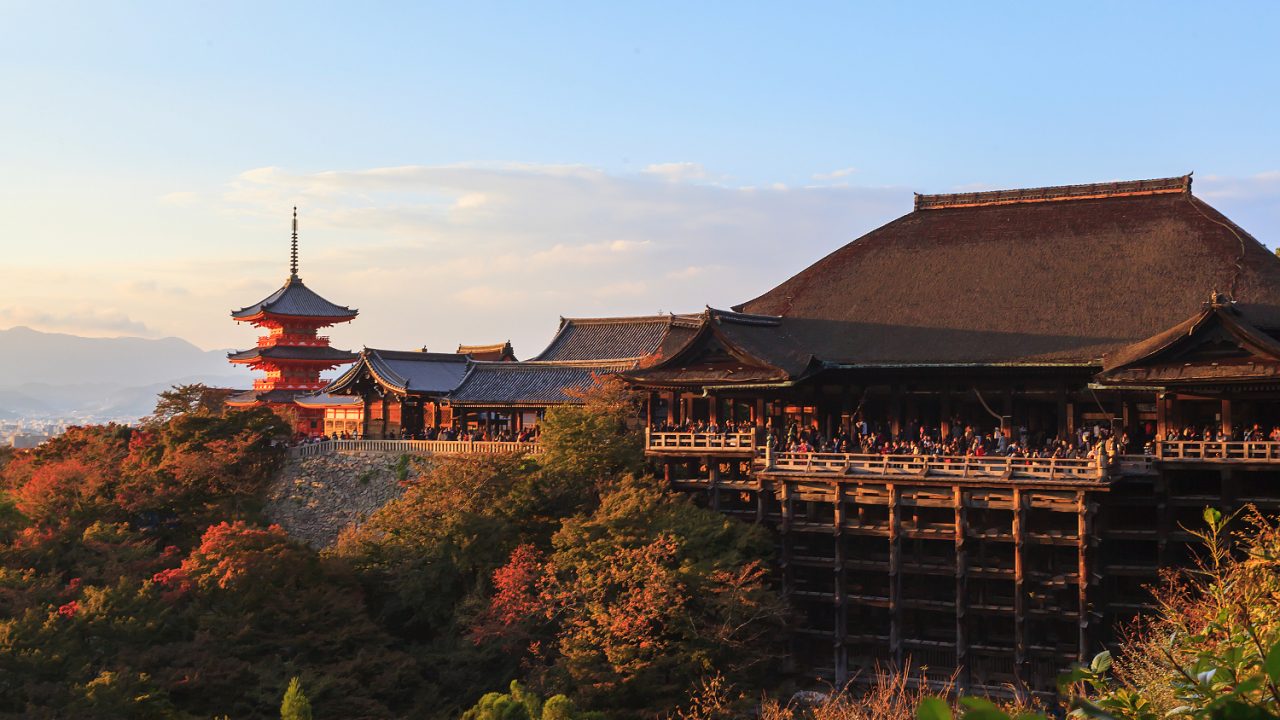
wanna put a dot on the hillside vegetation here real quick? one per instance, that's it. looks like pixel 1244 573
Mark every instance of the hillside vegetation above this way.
pixel 139 580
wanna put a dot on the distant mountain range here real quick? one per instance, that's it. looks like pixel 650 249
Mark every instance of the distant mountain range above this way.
pixel 54 375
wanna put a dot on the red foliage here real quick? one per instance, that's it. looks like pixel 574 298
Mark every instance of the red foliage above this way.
pixel 70 609
pixel 176 581
pixel 516 596
pixel 233 555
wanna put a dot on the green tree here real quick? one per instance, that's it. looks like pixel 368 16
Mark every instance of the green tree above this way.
pixel 196 398
pixel 295 705
pixel 596 442
pixel 520 703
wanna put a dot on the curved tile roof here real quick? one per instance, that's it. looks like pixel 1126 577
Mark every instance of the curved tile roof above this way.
pixel 296 300
pixel 414 371
pixel 537 385
pixel 612 339
pixel 323 399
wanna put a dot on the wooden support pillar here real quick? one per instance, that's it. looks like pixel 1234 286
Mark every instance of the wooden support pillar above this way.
pixel 713 409
pixel 366 416
pixel 1231 492
pixel 651 399
pixel 846 409
pixel 758 417
pixel 386 414
pixel 1065 429
pixel 1084 531
pixel 1019 591
pixel 788 572
pixel 1227 423
pixel 895 410
pixel 841 601
pixel 962 590
pixel 1006 414
pixel 713 480
pixel 672 399
pixel 829 426
pixel 944 414
pixel 1162 416
pixel 895 578
pixel 1164 519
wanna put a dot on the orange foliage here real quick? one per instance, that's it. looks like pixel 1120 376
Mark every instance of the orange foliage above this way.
pixel 60 489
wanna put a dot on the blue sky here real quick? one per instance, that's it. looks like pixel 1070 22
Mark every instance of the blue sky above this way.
pixel 468 172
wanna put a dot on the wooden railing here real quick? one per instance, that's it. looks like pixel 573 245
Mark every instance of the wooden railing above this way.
pixel 939 466
pixel 744 440
pixel 1217 451
pixel 413 447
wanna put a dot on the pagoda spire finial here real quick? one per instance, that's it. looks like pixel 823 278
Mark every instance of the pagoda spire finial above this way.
pixel 293 254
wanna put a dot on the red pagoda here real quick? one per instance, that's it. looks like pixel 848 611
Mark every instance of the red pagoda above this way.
pixel 291 353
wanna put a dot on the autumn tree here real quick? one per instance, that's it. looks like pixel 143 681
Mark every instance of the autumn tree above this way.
pixel 639 599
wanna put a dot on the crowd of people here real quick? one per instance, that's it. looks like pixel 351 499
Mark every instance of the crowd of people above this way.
pixel 962 439
pixel 967 439
pixel 1211 433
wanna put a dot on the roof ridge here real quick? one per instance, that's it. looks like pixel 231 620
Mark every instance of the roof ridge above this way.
pixel 1055 193
pixel 743 318
pixel 621 319
pixel 490 346
pixel 418 355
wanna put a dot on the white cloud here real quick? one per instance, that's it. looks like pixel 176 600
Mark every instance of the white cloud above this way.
pixel 686 273
pixel 677 171
pixel 835 174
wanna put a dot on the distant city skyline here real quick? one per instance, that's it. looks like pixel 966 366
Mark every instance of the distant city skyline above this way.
pixel 468 174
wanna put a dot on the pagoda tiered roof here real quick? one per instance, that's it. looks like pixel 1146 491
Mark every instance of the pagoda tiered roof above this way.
pixel 273 397
pixel 295 299
pixel 313 353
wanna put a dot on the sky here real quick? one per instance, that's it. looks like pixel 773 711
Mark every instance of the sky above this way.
pixel 471 172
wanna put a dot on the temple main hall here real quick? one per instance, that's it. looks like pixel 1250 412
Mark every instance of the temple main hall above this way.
pixel 979 431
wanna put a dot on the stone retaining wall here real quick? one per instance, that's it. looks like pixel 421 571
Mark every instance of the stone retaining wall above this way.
pixel 314 498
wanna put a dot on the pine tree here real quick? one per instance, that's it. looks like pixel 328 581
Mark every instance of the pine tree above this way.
pixel 295 705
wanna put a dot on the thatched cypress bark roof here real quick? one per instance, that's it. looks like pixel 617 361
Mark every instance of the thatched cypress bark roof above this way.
pixel 1042 276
